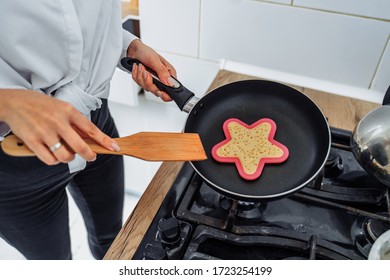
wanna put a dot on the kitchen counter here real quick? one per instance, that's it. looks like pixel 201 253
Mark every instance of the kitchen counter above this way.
pixel 130 9
pixel 342 112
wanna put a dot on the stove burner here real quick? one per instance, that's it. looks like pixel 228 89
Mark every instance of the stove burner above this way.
pixel 367 230
pixel 226 203
pixel 334 165
pixel 376 228
pixel 247 205
pixel 250 211
pixel 243 209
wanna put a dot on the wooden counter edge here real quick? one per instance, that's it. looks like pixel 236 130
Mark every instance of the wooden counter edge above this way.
pixel 130 9
pixel 132 232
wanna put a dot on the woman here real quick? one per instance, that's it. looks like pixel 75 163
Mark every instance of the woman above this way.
pixel 56 61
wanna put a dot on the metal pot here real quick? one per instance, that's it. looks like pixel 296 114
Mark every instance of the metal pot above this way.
pixel 370 141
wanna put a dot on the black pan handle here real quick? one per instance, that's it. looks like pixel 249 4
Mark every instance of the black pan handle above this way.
pixel 177 92
pixel 386 99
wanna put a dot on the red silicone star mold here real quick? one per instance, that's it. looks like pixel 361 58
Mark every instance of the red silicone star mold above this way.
pixel 250 147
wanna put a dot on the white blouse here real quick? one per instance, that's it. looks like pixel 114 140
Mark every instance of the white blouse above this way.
pixel 68 46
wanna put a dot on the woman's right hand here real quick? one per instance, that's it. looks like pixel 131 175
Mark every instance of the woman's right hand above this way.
pixel 42 121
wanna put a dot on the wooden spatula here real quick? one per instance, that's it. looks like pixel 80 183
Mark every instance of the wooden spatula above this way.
pixel 150 146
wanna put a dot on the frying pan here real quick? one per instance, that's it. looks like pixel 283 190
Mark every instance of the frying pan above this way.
pixel 301 127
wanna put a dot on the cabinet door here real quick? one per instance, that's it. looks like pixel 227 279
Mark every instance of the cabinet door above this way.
pixel 381 80
pixel 171 25
pixel 123 89
pixel 327 46
pixel 369 8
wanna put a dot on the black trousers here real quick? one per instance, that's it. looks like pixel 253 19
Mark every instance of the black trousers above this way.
pixel 34 205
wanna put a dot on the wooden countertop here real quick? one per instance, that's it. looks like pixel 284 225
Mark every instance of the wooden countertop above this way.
pixel 341 112
pixel 130 9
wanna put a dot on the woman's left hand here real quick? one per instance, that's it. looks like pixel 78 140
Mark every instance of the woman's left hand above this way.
pixel 150 58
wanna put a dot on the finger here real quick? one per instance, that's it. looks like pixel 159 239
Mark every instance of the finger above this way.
pixel 148 84
pixel 93 132
pixel 165 97
pixel 141 74
pixel 62 153
pixel 77 145
pixel 160 67
pixel 165 71
pixel 137 76
pixel 39 148
pixel 134 72
pixel 171 69
pixel 58 147
pixel 146 80
pixel 44 154
pixel 61 147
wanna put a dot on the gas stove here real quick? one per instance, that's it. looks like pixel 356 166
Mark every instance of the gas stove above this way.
pixel 337 216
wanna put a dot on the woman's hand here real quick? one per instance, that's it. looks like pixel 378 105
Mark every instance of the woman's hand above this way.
pixel 153 60
pixel 42 121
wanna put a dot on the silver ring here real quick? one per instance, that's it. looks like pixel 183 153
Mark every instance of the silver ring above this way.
pixel 55 147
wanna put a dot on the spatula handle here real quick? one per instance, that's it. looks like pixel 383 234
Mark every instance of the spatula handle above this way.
pixel 14 146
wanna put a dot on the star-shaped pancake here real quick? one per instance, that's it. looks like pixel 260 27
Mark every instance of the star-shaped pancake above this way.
pixel 250 147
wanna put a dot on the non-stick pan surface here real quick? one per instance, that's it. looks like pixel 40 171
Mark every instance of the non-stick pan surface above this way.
pixel 301 127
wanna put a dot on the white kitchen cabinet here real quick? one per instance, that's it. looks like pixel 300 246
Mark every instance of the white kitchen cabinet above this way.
pixel 171 25
pixel 368 8
pixel 341 44
pixel 287 2
pixel 382 77
pixel 123 89
pixel 172 28
pixel 326 46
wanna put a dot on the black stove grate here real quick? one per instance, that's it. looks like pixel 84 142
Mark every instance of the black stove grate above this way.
pixel 269 243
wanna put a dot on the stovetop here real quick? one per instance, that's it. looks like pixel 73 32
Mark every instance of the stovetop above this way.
pixel 337 216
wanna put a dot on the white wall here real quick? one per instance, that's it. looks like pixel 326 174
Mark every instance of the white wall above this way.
pixel 343 43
